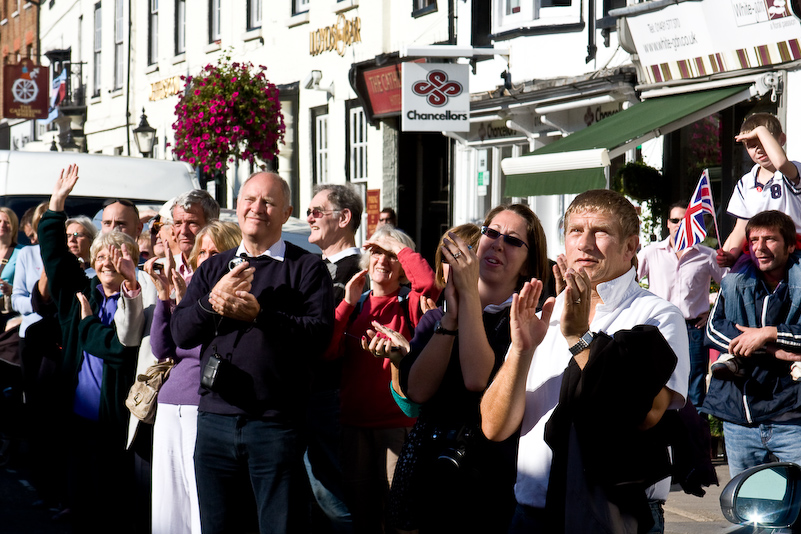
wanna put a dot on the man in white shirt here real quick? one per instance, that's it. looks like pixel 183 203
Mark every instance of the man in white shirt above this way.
pixel 683 278
pixel 601 296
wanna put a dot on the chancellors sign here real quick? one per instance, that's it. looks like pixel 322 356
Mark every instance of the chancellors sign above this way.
pixel 436 97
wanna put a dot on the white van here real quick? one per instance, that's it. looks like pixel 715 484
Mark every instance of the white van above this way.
pixel 27 178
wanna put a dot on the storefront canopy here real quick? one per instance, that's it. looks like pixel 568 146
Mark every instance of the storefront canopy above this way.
pixel 578 162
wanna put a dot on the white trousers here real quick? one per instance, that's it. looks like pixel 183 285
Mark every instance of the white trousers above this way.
pixel 175 504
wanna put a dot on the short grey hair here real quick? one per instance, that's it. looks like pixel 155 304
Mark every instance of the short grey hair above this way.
pixel 114 239
pixel 199 197
pixel 87 224
pixel 393 232
pixel 344 197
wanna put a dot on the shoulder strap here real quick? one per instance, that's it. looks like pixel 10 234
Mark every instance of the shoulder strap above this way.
pixel 403 300
pixel 5 259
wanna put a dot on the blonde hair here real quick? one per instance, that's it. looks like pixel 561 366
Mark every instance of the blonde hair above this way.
pixel 224 235
pixel 12 218
pixel 470 234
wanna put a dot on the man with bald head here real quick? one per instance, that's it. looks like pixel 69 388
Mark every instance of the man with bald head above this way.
pixel 262 314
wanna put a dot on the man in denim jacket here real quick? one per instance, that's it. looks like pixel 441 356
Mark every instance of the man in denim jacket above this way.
pixel 757 320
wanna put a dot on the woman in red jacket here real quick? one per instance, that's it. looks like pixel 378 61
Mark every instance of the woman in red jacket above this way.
pixel 373 427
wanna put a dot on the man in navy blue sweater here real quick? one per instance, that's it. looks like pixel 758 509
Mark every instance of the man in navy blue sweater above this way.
pixel 262 323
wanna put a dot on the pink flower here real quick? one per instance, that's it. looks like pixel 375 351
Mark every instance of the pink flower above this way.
pixel 218 165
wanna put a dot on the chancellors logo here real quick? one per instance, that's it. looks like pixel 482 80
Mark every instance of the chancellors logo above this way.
pixel 436 88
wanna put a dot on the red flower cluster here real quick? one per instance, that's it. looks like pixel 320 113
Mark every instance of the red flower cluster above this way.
pixel 229 110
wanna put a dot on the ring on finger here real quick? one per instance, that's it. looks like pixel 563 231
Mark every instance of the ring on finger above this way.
pixel 577 301
pixel 457 254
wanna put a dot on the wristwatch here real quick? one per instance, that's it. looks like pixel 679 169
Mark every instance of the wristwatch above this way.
pixel 439 329
pixel 582 343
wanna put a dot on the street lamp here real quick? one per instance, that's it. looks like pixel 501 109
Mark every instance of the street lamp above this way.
pixel 144 135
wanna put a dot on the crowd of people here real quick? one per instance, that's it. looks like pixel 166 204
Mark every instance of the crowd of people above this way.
pixel 370 391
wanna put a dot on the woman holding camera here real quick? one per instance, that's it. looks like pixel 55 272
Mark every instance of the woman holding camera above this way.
pixel 175 501
pixel 457 479
pixel 373 426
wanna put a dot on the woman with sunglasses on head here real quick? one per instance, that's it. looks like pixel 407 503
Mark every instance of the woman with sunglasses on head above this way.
pixel 460 481
pixel 373 426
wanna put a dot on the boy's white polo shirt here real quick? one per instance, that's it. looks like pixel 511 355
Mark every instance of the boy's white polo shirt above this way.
pixel 750 197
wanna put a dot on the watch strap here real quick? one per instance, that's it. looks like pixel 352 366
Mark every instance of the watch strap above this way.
pixel 583 342
pixel 439 329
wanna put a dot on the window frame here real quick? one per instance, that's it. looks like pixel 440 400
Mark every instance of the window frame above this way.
pixel 215 22
pixel 418 9
pixel 119 37
pixel 357 145
pixel 533 15
pixel 321 156
pixel 180 27
pixel 254 14
pixel 97 45
pixel 152 32
pixel 300 6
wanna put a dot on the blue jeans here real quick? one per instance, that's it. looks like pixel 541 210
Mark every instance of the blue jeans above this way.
pixel 748 446
pixel 658 513
pixel 238 458
pixel 699 365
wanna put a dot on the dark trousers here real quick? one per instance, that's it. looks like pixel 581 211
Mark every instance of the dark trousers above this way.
pixel 101 478
pixel 239 458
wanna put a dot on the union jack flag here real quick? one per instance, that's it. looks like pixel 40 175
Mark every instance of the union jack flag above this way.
pixel 692 229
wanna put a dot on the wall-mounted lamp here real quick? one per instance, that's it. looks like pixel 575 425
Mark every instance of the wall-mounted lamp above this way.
pixel 312 82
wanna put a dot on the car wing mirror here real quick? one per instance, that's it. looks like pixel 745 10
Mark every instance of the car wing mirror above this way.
pixel 767 495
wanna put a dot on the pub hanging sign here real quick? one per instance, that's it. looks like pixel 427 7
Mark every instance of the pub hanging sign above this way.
pixel 25 91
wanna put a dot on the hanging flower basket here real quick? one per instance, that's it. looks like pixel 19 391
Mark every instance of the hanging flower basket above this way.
pixel 228 111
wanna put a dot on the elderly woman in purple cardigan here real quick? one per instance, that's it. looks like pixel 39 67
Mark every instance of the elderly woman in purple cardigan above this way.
pixel 175 501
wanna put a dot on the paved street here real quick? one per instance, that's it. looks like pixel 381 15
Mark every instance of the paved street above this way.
pixel 687 514
pixel 684 514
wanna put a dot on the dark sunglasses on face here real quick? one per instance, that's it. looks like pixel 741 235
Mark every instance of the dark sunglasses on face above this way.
pixel 508 239
pixel 317 212
pixel 674 221
pixel 155 225
pixel 76 235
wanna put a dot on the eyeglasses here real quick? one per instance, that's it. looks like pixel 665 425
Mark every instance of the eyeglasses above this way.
pixel 76 235
pixel 508 239
pixel 317 212
pixel 674 221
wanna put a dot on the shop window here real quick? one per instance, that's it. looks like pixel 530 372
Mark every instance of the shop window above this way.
pixel 300 6
pixel 511 15
pixel 153 32
pixel 215 14
pixel 480 20
pixel 98 47
pixel 254 14
pixel 357 145
pixel 119 31
pixel 180 27
pixel 423 7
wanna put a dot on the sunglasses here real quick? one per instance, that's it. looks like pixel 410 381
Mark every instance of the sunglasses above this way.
pixel 76 235
pixel 155 225
pixel 317 212
pixel 508 239
pixel 674 221
pixel 124 201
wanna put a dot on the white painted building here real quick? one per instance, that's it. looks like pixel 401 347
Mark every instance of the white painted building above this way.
pixel 561 66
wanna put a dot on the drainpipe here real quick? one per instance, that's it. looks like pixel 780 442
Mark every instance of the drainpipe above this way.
pixel 128 87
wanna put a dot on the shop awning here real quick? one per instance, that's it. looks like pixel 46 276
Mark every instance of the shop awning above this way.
pixel 578 162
